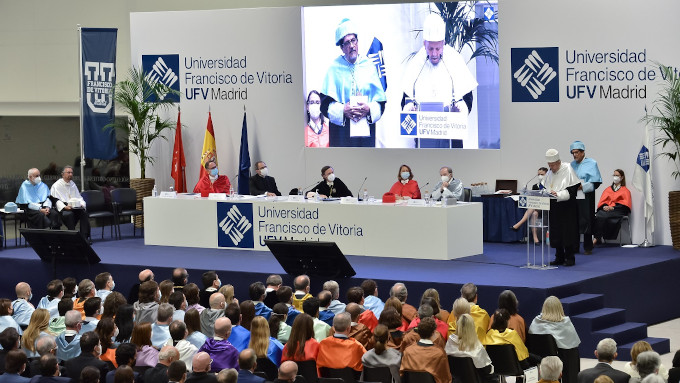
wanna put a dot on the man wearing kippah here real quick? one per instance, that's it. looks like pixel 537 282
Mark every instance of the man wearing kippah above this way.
pixel 562 183
pixel 354 99
pixel 587 171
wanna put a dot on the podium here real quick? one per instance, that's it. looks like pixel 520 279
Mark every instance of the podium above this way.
pixel 537 200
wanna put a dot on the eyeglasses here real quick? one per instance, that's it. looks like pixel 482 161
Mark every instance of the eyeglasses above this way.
pixel 349 42
pixel 316 102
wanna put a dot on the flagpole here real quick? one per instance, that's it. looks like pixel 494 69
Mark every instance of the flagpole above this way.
pixel 80 101
pixel 646 243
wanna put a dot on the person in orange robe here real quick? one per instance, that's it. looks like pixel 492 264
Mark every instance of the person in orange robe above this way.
pixel 615 203
pixel 212 182
pixel 425 356
pixel 340 350
pixel 405 186
pixel 367 317
pixel 358 331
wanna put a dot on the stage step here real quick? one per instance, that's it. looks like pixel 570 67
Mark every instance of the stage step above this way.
pixel 622 333
pixel 660 345
pixel 582 303
pixel 598 319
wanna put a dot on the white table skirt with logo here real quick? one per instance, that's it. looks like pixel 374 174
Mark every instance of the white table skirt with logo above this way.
pixel 371 229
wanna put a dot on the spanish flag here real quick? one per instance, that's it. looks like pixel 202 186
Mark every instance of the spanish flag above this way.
pixel 209 151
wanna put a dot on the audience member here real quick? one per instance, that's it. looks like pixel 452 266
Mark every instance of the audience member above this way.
pixel 358 331
pixel 193 297
pixel 15 365
pixel 325 314
pixel 111 304
pixel 90 350
pixel 9 340
pixel 550 369
pixel 159 373
pixel 605 354
pixel 222 353
pixel 262 343
pixel 147 355
pixel 126 355
pixel 247 361
pixel 55 291
pixel 391 318
pixel 90 374
pixel 396 305
pixel 380 355
pixel 6 319
pixel 439 312
pixel 481 317
pixel 104 284
pixel 91 308
pixel 70 287
pixel 180 277
pixel 311 308
pixel 37 327
pixel 211 283
pixel 257 292
pixel 247 313
pixel 648 363
pixel 301 345
pixel 201 369
pixel 179 303
pixel 178 333
pixel 106 330
pixel 400 292
pixel 160 333
pixel 144 276
pixel 146 308
pixel 278 327
pixel 442 327
pixel 552 321
pixel 507 300
pixel 371 300
pixel 673 373
pixel 285 295
pixel 124 321
pixel 425 356
pixel 227 375
pixel 336 306
pixel 193 321
pixel 44 346
pixel 465 344
pixel 240 336
pixel 273 283
pixel 68 342
pixel 630 368
pixel 48 371
pixel 302 285
pixel 500 333
pixel 177 371
pixel 166 288
pixel 340 351
pixel 356 295
pixel 228 292
pixel 22 306
pixel 413 336
pixel 287 372
pixel 57 324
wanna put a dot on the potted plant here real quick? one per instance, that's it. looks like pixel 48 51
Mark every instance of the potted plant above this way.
pixel 142 100
pixel 665 118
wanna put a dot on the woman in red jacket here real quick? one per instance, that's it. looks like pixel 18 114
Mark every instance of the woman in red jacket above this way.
pixel 405 187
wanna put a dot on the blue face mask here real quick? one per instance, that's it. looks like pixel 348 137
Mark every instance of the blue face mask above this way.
pixel 214 172
pixel 405 175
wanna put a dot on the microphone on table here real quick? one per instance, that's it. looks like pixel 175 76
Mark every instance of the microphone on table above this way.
pixel 421 188
pixel 527 184
pixel 362 185
pixel 307 187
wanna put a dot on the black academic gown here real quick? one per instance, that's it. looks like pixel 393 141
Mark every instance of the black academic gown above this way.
pixel 564 226
pixel 339 189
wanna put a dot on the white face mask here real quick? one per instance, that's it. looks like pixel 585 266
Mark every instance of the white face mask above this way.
pixel 37 180
pixel 541 177
pixel 264 172
pixel 315 110
pixel 445 178
pixel 617 179
pixel 331 177
pixel 116 332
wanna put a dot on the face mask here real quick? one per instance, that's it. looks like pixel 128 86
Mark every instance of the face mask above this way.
pixel 30 297
pixel 219 283
pixel 214 172
pixel 264 172
pixel 541 177
pixel 331 177
pixel 315 110
pixel 37 180
pixel 405 175
pixel 617 179
pixel 113 285
pixel 445 178
pixel 116 332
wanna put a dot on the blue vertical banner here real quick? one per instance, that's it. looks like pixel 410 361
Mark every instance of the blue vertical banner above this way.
pixel 98 63
pixel 244 161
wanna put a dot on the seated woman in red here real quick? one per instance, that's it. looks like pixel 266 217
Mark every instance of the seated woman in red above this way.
pixel 405 187
pixel 614 204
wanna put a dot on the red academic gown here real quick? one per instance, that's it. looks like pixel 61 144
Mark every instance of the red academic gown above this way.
pixel 221 185
pixel 368 319
pixel 442 326
pixel 311 352
pixel 409 189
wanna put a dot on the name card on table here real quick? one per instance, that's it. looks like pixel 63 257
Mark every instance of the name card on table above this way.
pixel 168 194
pixel 349 200
pixel 217 196
pixel 296 198
pixel 415 202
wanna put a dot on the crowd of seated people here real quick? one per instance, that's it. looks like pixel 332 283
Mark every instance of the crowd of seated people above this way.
pixel 168 335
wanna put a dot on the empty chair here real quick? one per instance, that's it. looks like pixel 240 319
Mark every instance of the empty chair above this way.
pixel 504 360
pixel 347 374
pixel 96 207
pixel 377 374
pixel 125 205
pixel 541 344
pixel 463 370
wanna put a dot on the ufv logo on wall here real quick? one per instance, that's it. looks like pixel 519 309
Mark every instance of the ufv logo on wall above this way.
pixel 235 225
pixel 535 74
pixel 409 124
pixel 163 69
pixel 99 79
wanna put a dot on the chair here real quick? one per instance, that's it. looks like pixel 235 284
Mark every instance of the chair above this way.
pixel 507 185
pixel 124 201
pixel 347 374
pixel 625 219
pixel 331 380
pixel 96 207
pixel 417 377
pixel 377 374
pixel 572 364
pixel 463 370
pixel 261 374
pixel 542 345
pixel 268 367
pixel 307 369
pixel 504 359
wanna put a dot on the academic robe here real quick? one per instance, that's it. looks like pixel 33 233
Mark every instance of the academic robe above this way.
pixel 589 174
pixel 479 316
pixel 409 189
pixel 563 331
pixel 223 354
pixel 260 185
pixel 339 352
pixel 36 197
pixel 426 357
pixel 564 222
pixel 608 223
pixel 408 312
pixel 310 352
pixel 368 319
pixel 336 189
pixel 361 333
pixel 509 336
pixel 221 185
pixel 516 323
pixel 442 326
pixel 298 299
pixel 317 137
pixel 413 337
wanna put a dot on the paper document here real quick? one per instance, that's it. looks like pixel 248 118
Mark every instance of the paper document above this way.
pixel 359 128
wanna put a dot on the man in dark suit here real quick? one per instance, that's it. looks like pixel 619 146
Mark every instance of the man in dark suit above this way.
pixel 262 183
pixel 200 366
pixel 177 372
pixel 605 354
pixel 9 340
pixel 247 361
pixel 159 374
pixel 273 283
pixel 287 372
pixel 49 370
pixel 90 350
pixel 15 365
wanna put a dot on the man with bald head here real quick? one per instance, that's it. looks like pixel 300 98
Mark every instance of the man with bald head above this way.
pixel 180 277
pixel 287 372
pixel 247 361
pixel 222 352
pixel 301 285
pixel 144 276
pixel 340 350
pixel 200 372
pixel 358 331
pixel 22 306
pixel 34 199
pixel 210 314
pixel 159 374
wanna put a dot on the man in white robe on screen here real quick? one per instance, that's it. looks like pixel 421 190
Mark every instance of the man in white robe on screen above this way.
pixel 437 74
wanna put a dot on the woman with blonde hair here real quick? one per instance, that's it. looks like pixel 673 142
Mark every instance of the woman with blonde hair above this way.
pixel 262 343
pixel 630 368
pixel 37 327
pixel 465 344
pixel 228 292
pixel 166 287
pixel 380 355
pixel 552 321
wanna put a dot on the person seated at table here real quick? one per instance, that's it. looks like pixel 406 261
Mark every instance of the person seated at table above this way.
pixel 448 186
pixel 534 214
pixel 34 198
pixel 614 204
pixel 331 186
pixel 262 183
pixel 405 187
pixel 212 181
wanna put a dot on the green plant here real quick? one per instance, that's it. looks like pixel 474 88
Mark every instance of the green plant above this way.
pixel 143 124
pixel 665 116
pixel 463 29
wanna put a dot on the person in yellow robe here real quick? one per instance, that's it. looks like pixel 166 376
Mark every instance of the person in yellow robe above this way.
pixel 500 334
pixel 480 316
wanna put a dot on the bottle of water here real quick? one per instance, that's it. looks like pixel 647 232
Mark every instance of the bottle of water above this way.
pixel 154 191
pixel 426 197
pixel 316 196
pixel 547 238
pixel 365 195
pixel 231 192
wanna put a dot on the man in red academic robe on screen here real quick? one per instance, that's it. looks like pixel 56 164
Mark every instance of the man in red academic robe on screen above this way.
pixel 212 182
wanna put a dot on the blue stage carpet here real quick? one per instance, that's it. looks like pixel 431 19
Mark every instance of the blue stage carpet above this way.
pixel 639 280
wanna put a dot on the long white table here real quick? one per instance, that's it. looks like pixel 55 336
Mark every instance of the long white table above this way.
pixel 371 229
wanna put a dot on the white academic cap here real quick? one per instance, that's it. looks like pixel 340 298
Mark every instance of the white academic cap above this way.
pixel 552 155
pixel 434 28
pixel 346 27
